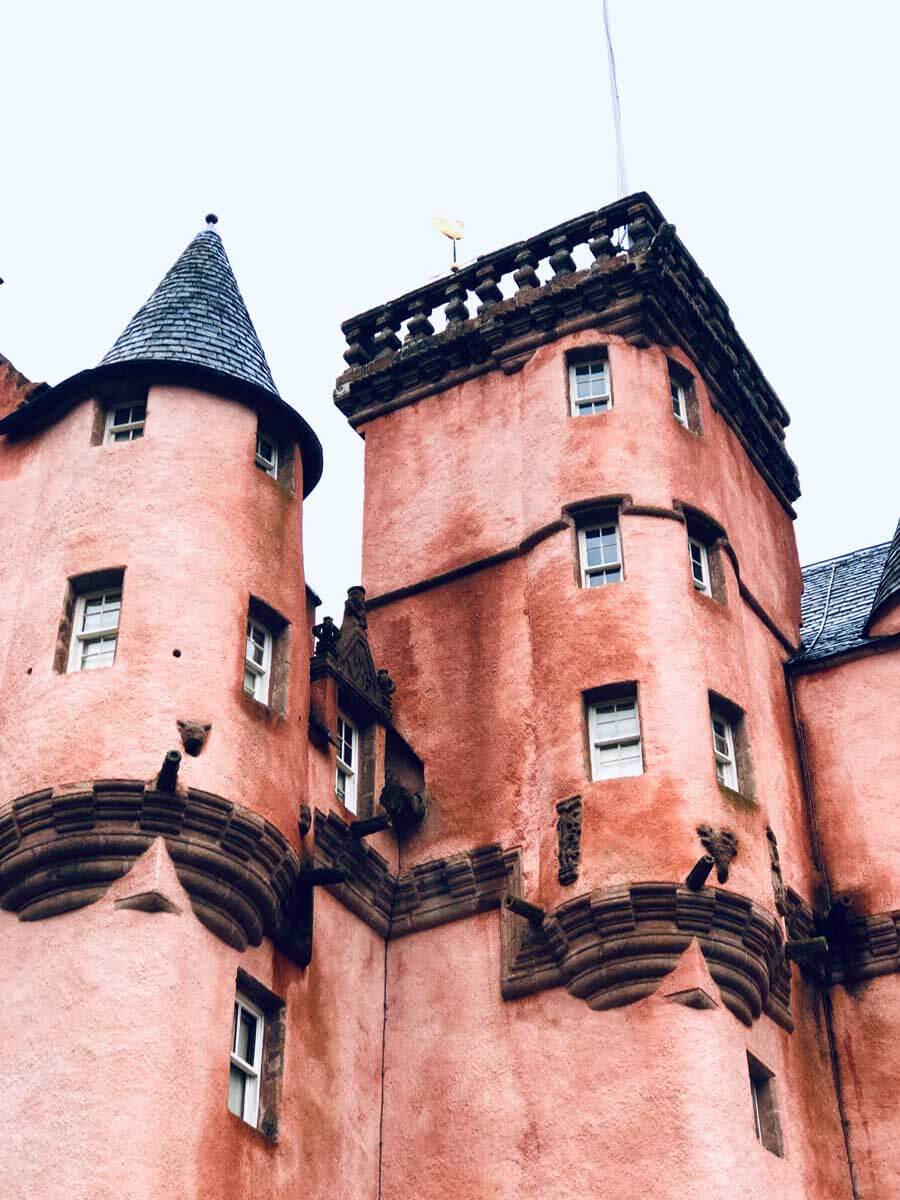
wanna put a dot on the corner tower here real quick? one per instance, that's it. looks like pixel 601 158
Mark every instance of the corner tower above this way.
pixel 588 604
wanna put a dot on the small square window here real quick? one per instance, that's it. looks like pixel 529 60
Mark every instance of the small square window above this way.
pixel 247 1033
pixel 125 422
pixel 589 387
pixel 258 661
pixel 95 629
pixel 766 1121
pixel 600 553
pixel 345 785
pixel 615 736
pixel 267 453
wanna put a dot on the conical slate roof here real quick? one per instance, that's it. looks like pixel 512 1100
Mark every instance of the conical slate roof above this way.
pixel 195 331
pixel 197 316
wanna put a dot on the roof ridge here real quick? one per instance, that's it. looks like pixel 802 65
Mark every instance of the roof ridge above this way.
pixel 824 562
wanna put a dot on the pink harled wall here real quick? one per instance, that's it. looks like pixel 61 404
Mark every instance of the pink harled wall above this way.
pixel 117 1089
pixel 549 1097
pixel 199 529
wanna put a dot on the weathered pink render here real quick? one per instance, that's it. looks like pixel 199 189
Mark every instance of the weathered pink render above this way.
pixel 406 1074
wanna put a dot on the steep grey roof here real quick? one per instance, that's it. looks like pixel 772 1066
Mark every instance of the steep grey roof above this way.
pixel 197 316
pixel 889 584
pixel 837 600
pixel 195 331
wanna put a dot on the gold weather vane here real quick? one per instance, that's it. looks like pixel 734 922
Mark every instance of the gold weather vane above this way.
pixel 452 230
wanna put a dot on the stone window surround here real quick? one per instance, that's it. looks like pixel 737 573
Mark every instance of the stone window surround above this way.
pixel 280 629
pixel 681 376
pixel 271 1073
pixel 77 586
pixel 284 450
pixel 582 356
pixel 764 1096
pixel 619 690
pixel 735 716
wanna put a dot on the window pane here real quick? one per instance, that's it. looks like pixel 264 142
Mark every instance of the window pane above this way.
pixel 121 416
pixel 249 682
pixel 340 786
pixel 246 1036
pixel 137 433
pixel 236 1087
pixel 138 412
pixel 98 652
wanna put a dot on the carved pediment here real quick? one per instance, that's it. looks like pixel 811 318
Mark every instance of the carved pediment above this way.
pixel 346 654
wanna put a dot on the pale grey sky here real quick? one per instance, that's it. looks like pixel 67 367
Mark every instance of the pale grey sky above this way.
pixel 327 136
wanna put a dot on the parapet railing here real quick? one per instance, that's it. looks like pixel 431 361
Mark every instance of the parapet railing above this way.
pixel 622 228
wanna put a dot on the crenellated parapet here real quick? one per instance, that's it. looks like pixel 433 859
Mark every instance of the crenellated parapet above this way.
pixel 640 282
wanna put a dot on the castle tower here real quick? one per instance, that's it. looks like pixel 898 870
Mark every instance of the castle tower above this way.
pixel 588 604
pixel 153 605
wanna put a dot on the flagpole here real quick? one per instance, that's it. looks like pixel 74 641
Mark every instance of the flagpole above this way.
pixel 617 115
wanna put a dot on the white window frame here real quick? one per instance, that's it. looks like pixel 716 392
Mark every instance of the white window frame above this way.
pixel 702 584
pixel 82 637
pixel 347 769
pixel 624 703
pixel 679 401
pixel 134 428
pixel 726 760
pixel 252 1071
pixel 270 466
pixel 261 672
pixel 598 369
pixel 605 569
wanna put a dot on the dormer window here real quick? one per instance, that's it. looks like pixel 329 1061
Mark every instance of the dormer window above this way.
pixel 267 453
pixel 589 387
pixel 126 423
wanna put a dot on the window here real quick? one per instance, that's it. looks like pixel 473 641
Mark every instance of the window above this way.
pixel 765 1106
pixel 600 553
pixel 126 423
pixel 699 558
pixel 345 778
pixel 247 1034
pixel 95 629
pixel 679 401
pixel 267 453
pixel 615 734
pixel 723 750
pixel 258 661
pixel 589 387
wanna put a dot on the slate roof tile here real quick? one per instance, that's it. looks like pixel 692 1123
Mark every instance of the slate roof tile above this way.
pixel 838 594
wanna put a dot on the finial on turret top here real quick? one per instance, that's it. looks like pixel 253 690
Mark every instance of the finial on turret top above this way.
pixel 212 219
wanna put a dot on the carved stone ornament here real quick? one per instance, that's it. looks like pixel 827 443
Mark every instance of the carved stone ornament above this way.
pixel 777 878
pixel 405 807
pixel 345 653
pixel 722 844
pixel 568 833
pixel 304 821
pixel 194 735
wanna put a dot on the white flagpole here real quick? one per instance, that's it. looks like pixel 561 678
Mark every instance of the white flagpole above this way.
pixel 617 115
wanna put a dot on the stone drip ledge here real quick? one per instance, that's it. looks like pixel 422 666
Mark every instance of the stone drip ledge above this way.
pixel 432 893
pixel 614 946
pixel 61 850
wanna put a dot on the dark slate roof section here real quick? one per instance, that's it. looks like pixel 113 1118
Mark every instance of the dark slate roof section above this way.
pixel 197 315
pixel 889 584
pixel 837 600
pixel 195 331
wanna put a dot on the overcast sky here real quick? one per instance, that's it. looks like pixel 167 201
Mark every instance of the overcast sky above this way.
pixel 327 136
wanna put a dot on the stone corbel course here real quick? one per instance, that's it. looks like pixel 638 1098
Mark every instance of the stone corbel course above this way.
pixel 60 851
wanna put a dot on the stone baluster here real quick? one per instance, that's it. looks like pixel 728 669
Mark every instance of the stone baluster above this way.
pixel 418 325
pixel 526 275
pixel 561 259
pixel 356 354
pixel 640 227
pixel 601 244
pixel 456 311
pixel 487 290
pixel 386 340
